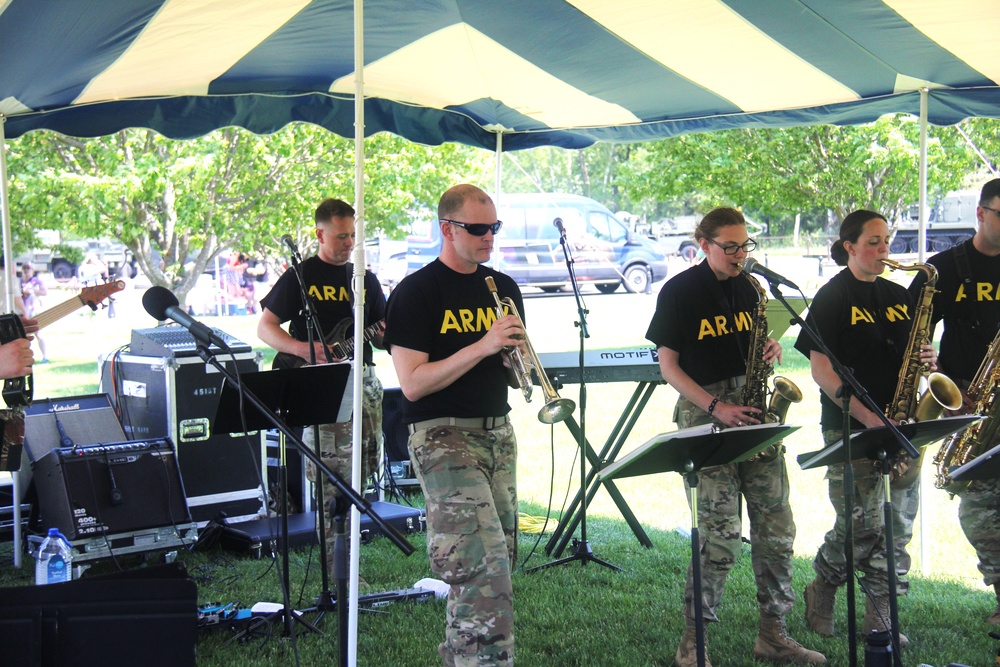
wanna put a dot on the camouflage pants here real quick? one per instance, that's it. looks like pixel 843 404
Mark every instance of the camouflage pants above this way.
pixel 468 477
pixel 764 485
pixel 337 450
pixel 905 503
pixel 979 514
pixel 868 526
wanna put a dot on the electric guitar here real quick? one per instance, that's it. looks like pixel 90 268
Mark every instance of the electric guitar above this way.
pixel 341 346
pixel 18 392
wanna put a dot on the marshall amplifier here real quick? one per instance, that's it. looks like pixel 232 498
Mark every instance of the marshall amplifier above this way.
pixel 176 398
pixel 114 488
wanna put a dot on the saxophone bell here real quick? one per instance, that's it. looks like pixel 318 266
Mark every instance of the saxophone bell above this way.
pixel 556 409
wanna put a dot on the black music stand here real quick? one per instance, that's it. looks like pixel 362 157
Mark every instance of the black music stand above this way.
pixel 881 444
pixel 687 451
pixel 293 393
pixel 984 466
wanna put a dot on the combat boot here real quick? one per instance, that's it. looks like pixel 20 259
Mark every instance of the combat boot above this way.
pixel 994 618
pixel 820 598
pixel 774 645
pixel 687 651
pixel 877 618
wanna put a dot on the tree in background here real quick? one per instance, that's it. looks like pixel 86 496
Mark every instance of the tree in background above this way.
pixel 178 204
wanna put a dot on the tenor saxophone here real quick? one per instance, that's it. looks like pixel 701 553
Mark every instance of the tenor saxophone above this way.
pixel 755 391
pixel 941 394
pixel 966 445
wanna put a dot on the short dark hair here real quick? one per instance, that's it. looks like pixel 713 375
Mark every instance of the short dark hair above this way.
pixel 454 199
pixel 990 191
pixel 333 208
pixel 850 230
pixel 716 219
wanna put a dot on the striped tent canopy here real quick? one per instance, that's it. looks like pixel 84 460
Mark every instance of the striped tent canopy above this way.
pixel 542 72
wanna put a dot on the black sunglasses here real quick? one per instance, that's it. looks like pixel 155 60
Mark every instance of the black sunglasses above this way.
pixel 476 229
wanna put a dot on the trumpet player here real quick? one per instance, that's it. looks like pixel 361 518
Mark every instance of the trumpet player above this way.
pixel 448 347
pixel 703 328
pixel 968 276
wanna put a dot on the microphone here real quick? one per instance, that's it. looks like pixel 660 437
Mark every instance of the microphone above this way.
pixel 162 304
pixel 751 265
pixel 289 243
pixel 558 223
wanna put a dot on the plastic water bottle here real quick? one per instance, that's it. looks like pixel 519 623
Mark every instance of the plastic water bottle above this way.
pixel 55 559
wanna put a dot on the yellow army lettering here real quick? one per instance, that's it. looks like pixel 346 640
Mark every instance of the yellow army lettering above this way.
pixel 329 293
pixel 742 319
pixel 861 315
pixel 899 312
pixel 467 321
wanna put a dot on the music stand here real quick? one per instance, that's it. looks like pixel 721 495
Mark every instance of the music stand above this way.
pixel 881 444
pixel 984 466
pixel 687 451
pixel 293 391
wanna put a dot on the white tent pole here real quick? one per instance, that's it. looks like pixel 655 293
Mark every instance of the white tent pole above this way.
pixel 9 295
pixel 359 319
pixel 498 188
pixel 923 480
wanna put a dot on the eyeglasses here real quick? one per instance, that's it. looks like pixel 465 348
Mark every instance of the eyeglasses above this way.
pixel 733 249
pixel 995 211
pixel 476 229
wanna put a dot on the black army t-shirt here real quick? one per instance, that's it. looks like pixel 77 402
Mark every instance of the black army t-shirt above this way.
pixel 440 311
pixel 866 325
pixel 708 322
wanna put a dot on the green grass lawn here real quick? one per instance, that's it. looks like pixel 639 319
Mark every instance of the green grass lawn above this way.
pixel 569 615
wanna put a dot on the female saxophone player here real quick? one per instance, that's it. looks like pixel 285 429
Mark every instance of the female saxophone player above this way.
pixel 865 320
pixel 702 330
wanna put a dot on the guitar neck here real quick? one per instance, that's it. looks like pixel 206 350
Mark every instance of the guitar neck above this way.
pixel 59 311
pixel 369 333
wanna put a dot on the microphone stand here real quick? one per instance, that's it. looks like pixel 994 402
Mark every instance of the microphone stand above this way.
pixel 347 492
pixel 324 602
pixel 851 387
pixel 581 550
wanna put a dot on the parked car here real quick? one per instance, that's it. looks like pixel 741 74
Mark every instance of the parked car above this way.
pixel 605 252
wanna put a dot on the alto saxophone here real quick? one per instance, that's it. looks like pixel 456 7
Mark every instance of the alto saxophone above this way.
pixel 556 409
pixel 941 392
pixel 755 391
pixel 981 436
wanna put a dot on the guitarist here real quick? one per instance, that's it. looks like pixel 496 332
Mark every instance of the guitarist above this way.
pixel 327 278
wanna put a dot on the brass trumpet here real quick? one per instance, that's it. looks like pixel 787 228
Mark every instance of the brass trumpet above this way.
pixel 555 409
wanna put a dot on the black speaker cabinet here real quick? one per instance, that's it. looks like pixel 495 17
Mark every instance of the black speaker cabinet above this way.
pixel 152 622
pixel 64 422
pixel 176 398
pixel 117 488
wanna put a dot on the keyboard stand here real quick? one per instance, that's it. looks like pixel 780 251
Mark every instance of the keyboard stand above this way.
pixel 616 440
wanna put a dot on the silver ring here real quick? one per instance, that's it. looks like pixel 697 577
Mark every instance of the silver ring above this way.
pixel 739 423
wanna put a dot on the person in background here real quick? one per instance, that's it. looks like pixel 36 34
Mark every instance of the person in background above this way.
pixel 448 348
pixel 327 277
pixel 865 320
pixel 702 329
pixel 32 291
pixel 968 275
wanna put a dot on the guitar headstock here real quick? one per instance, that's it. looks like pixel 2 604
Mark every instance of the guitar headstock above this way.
pixel 94 295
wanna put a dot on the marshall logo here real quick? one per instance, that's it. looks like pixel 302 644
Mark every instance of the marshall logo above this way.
pixel 67 407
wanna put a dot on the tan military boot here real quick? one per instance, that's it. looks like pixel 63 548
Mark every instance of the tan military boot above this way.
pixel 820 598
pixel 994 618
pixel 687 651
pixel 877 618
pixel 774 645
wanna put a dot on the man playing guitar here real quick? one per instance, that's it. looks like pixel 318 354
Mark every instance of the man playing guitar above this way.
pixel 327 277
